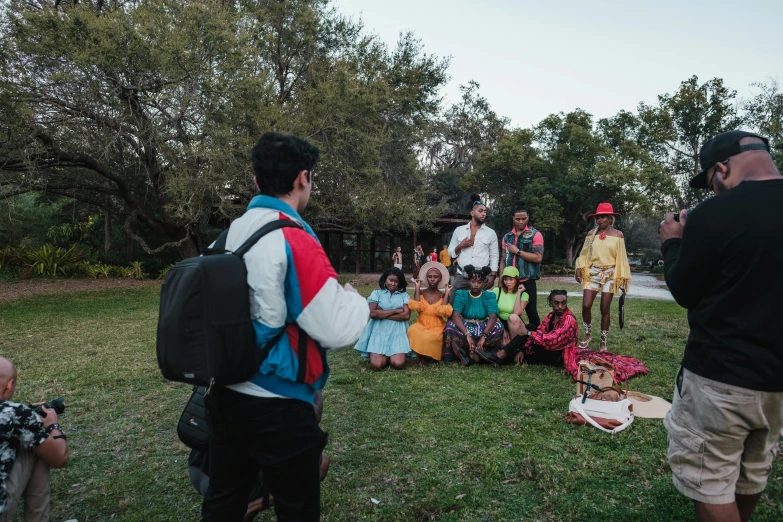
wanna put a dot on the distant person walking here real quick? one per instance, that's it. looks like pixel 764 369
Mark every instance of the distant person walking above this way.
pixel 418 259
pixel 724 263
pixel 523 249
pixel 433 256
pixel 602 268
pixel 474 244
pixel 397 258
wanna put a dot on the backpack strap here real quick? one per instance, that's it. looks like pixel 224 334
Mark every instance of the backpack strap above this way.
pixel 261 232
pixel 220 242
pixel 302 355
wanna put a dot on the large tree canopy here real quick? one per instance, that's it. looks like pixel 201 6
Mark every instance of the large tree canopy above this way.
pixel 148 110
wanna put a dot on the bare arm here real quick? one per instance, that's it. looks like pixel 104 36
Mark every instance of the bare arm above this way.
pixel 53 451
pixel 400 315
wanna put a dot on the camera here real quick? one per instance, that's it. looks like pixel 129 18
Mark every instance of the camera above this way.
pixel 677 215
pixel 58 405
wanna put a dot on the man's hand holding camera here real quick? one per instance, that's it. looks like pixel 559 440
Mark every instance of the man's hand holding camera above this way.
pixel 672 225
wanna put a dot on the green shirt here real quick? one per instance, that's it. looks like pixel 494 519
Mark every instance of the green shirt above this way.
pixel 479 307
pixel 507 301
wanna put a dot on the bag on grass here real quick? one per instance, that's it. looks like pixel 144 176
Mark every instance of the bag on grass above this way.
pixel 594 373
pixel 608 409
pixel 205 334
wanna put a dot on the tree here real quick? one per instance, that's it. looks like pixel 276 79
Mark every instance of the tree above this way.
pixel 457 139
pixel 148 110
pixel 765 116
pixel 674 130
pixel 562 169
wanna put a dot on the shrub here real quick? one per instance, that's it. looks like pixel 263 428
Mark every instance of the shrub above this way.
pixel 137 270
pixel 52 261
pixel 556 269
pixel 98 270
pixel 120 271
pixel 657 269
pixel 165 271
pixel 9 257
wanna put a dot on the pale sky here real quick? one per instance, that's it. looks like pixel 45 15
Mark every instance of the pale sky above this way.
pixel 534 58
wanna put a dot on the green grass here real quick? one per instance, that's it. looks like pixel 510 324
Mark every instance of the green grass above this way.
pixel 414 440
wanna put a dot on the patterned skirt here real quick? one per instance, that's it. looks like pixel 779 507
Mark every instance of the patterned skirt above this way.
pixel 451 334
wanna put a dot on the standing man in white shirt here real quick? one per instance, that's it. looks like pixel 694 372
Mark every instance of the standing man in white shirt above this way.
pixel 474 244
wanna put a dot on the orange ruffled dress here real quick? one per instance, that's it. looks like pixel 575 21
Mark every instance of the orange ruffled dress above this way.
pixel 426 334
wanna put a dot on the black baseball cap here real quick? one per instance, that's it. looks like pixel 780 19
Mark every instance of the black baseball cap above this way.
pixel 720 148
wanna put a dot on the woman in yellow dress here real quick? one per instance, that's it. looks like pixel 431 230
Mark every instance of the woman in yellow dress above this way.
pixel 426 334
pixel 602 267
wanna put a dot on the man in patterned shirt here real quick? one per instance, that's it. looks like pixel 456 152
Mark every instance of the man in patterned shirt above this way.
pixel 29 446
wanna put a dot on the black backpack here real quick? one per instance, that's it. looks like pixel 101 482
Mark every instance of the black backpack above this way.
pixel 205 334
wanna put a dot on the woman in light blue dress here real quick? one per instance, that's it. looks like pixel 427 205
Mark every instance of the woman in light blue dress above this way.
pixel 385 338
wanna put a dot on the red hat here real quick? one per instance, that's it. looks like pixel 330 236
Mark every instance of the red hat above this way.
pixel 605 209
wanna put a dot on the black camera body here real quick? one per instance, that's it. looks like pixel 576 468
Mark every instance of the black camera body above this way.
pixel 58 405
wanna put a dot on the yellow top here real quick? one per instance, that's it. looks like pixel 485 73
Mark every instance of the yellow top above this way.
pixel 445 258
pixel 606 252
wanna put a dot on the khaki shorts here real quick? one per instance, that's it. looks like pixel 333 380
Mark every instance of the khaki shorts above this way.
pixel 722 438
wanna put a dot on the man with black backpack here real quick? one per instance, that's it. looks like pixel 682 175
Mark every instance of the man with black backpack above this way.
pixel 268 423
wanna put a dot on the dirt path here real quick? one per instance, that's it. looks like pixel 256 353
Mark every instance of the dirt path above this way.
pixel 10 291
pixel 642 285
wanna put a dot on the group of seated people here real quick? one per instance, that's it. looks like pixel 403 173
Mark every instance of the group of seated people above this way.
pixel 481 326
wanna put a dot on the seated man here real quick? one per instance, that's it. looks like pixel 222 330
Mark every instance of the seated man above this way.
pixel 553 341
pixel 29 446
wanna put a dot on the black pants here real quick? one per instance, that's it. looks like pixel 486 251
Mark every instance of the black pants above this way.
pixel 532 305
pixel 281 437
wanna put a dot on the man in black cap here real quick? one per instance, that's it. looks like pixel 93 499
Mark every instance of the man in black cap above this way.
pixel 724 263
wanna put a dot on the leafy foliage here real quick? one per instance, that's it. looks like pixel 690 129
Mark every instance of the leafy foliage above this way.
pixel 52 261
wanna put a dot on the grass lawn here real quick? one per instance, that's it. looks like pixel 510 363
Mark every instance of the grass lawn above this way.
pixel 432 442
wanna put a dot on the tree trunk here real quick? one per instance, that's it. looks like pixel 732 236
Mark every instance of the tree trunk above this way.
pixel 358 253
pixel 107 227
pixel 570 251
pixel 188 249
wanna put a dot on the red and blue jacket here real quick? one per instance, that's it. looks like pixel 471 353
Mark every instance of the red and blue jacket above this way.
pixel 292 286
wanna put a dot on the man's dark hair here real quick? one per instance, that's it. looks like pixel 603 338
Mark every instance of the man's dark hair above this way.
pixel 555 293
pixel 278 159
pixel 482 273
pixel 520 206
pixel 395 272
pixel 475 199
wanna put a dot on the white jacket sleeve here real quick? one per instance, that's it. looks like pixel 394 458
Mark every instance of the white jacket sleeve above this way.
pixel 335 317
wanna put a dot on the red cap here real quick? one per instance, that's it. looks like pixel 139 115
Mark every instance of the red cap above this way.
pixel 604 209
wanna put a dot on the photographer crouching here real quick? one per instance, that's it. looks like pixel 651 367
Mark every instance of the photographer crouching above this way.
pixel 724 263
pixel 29 445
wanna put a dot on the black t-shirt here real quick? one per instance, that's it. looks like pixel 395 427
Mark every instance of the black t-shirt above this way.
pixel 727 270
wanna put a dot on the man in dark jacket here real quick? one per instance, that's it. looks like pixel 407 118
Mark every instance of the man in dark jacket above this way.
pixel 724 263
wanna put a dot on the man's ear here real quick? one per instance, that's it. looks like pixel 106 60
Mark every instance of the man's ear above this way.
pixel 255 182
pixel 303 178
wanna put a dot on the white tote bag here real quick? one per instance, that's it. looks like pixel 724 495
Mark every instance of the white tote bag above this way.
pixel 597 412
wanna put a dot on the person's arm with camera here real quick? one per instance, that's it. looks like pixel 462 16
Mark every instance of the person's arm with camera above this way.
pixel 54 450
pixel 689 255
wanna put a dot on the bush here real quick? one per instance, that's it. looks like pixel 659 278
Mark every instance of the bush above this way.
pixel 165 271
pixel 52 261
pixel 556 269
pixel 9 257
pixel 657 269
pixel 98 270
pixel 137 270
